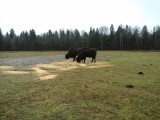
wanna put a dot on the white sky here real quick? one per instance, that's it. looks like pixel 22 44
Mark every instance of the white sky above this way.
pixel 42 15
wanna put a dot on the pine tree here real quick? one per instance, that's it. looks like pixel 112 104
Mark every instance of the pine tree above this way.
pixel 157 38
pixel 1 40
pixel 68 39
pixel 49 40
pixel 32 39
pixel 118 44
pixel 103 33
pixel 12 34
pixel 112 37
pixel 85 39
pixel 127 43
pixel 77 38
pixel 56 40
pixel 144 38
pixel 134 40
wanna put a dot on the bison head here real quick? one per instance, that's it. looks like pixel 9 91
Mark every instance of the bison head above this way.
pixel 67 56
pixel 78 59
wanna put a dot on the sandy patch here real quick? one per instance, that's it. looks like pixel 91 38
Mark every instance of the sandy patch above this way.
pixel 11 70
pixel 93 67
pixel 68 68
pixel 47 77
pixel 82 65
pixel 68 65
pixel 43 71
pixel 60 66
pixel 15 72
pixel 49 66
pixel 98 66
pixel 6 67
pixel 39 70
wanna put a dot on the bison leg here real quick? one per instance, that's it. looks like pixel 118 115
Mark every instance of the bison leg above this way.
pixel 84 59
pixel 92 60
pixel 74 59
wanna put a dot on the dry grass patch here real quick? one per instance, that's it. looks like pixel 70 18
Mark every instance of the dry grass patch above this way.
pixel 15 72
pixel 11 70
pixel 47 77
pixel 43 70
pixel 39 71
pixel 5 67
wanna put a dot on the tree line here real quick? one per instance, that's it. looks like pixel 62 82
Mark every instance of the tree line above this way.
pixel 103 38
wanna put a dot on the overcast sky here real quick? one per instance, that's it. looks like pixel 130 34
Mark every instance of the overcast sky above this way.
pixel 42 15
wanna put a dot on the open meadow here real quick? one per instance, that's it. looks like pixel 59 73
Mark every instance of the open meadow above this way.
pixel 121 85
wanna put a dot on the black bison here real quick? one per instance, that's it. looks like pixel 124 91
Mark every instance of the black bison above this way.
pixel 86 52
pixel 72 53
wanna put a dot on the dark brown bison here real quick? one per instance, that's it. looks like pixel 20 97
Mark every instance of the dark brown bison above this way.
pixel 87 52
pixel 72 53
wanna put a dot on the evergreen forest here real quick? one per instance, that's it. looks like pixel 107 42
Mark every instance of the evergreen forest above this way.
pixel 103 38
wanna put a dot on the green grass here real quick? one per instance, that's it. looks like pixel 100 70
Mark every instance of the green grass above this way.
pixel 87 94
pixel 6 54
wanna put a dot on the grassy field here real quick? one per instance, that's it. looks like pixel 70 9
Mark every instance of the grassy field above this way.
pixel 84 93
pixel 6 54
